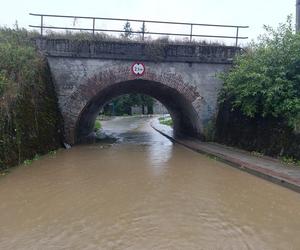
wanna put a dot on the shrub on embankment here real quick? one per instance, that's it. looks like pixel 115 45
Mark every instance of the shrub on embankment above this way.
pixel 260 100
pixel 29 116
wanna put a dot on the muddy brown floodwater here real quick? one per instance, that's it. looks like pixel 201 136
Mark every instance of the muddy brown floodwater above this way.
pixel 142 192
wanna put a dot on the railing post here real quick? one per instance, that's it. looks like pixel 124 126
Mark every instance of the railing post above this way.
pixel 237 36
pixel 42 23
pixel 188 35
pixel 143 30
pixel 191 34
pixel 93 26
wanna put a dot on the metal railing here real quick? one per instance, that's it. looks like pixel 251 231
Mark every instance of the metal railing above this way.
pixel 143 32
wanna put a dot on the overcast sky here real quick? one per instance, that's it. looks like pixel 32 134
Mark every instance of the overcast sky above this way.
pixel 254 13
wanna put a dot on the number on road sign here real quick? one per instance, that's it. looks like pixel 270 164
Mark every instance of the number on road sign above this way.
pixel 138 69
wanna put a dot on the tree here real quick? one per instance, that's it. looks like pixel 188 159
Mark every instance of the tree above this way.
pixel 147 101
pixel 122 104
pixel 265 81
pixel 127 30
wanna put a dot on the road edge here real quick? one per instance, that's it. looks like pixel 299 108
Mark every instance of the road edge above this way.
pixel 255 170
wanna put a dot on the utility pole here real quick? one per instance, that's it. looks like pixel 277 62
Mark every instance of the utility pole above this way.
pixel 297 15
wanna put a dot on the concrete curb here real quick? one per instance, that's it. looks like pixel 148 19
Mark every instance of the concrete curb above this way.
pixel 254 169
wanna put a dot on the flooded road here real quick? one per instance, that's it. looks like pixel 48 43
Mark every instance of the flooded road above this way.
pixel 142 192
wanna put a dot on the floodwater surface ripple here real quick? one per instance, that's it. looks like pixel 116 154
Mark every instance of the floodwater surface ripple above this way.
pixel 142 192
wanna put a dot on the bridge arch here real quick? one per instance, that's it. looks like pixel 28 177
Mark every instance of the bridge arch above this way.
pixel 181 99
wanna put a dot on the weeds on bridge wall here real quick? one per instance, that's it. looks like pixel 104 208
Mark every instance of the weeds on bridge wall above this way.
pixel 29 117
pixel 101 36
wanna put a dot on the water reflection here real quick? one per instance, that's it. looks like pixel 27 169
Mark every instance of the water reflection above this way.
pixel 159 152
pixel 142 192
pixel 137 131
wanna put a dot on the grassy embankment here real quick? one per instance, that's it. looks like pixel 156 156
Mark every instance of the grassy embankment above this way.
pixel 97 125
pixel 29 116
pixel 166 121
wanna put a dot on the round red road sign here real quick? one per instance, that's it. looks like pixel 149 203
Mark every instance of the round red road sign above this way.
pixel 138 68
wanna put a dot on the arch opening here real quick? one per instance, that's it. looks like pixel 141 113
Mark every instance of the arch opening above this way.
pixel 184 116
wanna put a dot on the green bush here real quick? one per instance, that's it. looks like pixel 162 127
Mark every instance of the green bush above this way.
pixel 97 125
pixel 265 80
pixel 260 100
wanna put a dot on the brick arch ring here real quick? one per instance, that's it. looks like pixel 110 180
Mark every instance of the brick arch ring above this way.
pixel 182 100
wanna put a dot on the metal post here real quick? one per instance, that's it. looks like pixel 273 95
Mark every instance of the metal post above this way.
pixel 93 26
pixel 143 30
pixel 191 34
pixel 237 36
pixel 298 16
pixel 42 21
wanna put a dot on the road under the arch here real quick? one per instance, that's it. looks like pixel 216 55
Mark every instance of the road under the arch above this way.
pixel 142 192
pixel 185 118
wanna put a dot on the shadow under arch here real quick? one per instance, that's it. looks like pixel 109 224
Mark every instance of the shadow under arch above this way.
pixel 184 115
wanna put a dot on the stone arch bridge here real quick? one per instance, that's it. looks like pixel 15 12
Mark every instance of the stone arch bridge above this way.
pixel 183 77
